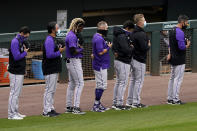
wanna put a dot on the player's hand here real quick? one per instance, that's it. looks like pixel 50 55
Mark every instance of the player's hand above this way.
pixel 109 44
pixel 149 43
pixel 81 46
pixel 188 43
pixel 26 49
pixel 92 56
pixel 62 49
pixel 168 57
pixel 132 46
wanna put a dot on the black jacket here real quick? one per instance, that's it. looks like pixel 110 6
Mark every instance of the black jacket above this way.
pixel 51 66
pixel 140 42
pixel 177 56
pixel 122 45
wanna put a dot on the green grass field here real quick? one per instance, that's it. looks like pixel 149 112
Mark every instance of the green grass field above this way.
pixel 154 118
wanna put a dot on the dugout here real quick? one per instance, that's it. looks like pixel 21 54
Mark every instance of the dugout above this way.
pixel 156 62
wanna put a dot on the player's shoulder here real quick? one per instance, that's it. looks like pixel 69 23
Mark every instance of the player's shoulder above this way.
pixel 122 36
pixel 139 35
pixel 49 38
pixel 98 37
pixel 179 31
pixel 15 40
pixel 71 34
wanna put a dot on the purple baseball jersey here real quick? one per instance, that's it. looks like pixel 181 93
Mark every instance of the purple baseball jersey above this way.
pixel 180 37
pixel 72 41
pixel 50 48
pixel 100 61
pixel 15 48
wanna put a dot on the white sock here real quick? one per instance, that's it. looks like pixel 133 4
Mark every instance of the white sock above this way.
pixel 96 102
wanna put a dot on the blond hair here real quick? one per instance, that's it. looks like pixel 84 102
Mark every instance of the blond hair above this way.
pixel 137 17
pixel 75 24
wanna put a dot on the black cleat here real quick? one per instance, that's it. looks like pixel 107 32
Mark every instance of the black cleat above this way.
pixel 178 103
pixel 77 110
pixel 120 107
pixel 170 102
pixel 50 114
pixel 142 105
pixel 113 106
pixel 128 107
pixel 139 105
pixel 54 112
pixel 69 109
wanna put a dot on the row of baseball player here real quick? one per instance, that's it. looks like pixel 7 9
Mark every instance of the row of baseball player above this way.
pixel 130 46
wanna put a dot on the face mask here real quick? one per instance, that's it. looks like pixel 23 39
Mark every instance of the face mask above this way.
pixel 145 24
pixel 23 37
pixel 103 32
pixel 184 26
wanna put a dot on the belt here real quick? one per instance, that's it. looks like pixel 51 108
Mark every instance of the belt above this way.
pixel 67 60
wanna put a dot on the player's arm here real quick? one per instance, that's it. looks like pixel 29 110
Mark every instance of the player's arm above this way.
pixel 15 49
pixel 181 41
pixel 169 55
pixel 100 48
pixel 141 38
pixel 103 52
pixel 50 53
pixel 73 46
pixel 125 47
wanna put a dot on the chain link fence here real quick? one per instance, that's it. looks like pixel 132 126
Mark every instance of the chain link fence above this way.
pixel 164 65
pixel 34 57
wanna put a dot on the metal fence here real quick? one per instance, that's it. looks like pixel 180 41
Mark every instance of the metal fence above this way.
pixel 156 60
pixel 164 65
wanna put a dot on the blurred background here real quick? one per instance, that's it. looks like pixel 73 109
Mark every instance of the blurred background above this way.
pixel 36 14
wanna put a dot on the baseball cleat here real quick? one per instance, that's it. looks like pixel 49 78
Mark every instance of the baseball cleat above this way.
pixel 135 106
pixel 15 117
pixel 96 108
pixel 139 105
pixel 178 103
pixel 20 115
pixel 101 107
pixel 50 114
pixel 120 107
pixel 169 102
pixel 113 106
pixel 69 110
pixel 54 112
pixel 129 105
pixel 142 105
pixel 77 111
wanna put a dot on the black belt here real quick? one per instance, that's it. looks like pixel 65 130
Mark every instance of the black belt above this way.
pixel 67 60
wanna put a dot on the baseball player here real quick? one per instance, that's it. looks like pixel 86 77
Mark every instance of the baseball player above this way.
pixel 51 66
pixel 122 48
pixel 138 64
pixel 17 65
pixel 101 62
pixel 74 54
pixel 177 53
